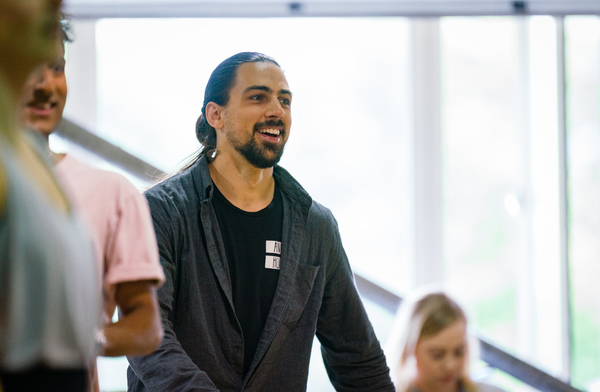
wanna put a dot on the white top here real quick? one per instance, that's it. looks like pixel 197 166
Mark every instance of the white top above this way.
pixel 49 303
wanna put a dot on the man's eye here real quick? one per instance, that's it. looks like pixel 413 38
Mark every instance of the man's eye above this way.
pixel 57 68
pixel 437 355
pixel 285 101
pixel 256 97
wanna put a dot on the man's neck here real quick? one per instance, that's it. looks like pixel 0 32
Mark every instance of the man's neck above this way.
pixel 245 186
pixel 45 139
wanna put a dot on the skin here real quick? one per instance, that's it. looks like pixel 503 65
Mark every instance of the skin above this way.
pixel 139 329
pixel 28 32
pixel 441 359
pixel 44 96
pixel 257 117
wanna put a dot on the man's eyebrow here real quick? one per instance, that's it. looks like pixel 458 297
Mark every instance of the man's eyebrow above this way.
pixel 266 89
pixel 285 92
pixel 257 87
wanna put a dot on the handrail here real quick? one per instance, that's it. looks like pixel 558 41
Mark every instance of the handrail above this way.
pixel 492 355
pixel 521 370
pixel 91 142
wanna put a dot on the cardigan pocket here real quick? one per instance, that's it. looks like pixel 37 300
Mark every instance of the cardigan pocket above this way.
pixel 300 310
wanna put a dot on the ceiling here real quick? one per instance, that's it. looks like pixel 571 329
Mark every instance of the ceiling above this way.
pixel 321 8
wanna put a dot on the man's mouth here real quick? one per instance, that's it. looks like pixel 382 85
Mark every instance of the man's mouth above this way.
pixel 42 109
pixel 270 131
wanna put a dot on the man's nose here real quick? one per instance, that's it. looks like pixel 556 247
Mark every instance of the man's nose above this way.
pixel 276 109
pixel 43 78
pixel 452 363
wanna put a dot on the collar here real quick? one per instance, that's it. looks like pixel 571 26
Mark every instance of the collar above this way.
pixel 287 184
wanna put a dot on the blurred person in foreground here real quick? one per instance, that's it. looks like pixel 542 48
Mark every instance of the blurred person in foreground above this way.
pixel 428 349
pixel 49 306
pixel 117 216
pixel 254 266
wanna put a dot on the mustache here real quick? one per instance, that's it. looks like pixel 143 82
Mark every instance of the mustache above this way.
pixel 270 123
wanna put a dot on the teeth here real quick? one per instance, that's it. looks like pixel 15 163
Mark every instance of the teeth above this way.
pixel 270 131
pixel 43 106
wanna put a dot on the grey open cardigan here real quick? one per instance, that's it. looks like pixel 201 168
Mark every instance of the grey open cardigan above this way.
pixel 203 345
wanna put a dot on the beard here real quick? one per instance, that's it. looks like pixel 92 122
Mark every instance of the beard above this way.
pixel 261 155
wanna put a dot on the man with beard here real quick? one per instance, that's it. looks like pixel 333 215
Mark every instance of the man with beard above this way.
pixel 254 267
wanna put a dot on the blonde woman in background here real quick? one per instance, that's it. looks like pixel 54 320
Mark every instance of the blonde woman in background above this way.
pixel 49 306
pixel 428 349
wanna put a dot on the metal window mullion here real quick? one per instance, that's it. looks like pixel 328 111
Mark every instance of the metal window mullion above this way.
pixel 324 8
pixel 563 197
pixel 428 263
pixel 524 268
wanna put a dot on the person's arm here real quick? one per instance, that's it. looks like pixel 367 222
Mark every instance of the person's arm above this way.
pixel 351 352
pixel 169 368
pixel 132 271
pixel 139 329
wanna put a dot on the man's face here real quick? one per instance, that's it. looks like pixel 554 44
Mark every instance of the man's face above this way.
pixel 257 118
pixel 44 96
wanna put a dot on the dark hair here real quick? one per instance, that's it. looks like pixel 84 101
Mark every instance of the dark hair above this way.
pixel 217 90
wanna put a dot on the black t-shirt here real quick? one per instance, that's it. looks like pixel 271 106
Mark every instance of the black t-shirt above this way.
pixel 253 248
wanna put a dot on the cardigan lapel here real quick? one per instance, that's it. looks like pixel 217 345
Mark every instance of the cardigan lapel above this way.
pixel 212 232
pixel 294 230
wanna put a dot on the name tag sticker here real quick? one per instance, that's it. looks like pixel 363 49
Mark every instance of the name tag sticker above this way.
pixel 274 247
pixel 272 262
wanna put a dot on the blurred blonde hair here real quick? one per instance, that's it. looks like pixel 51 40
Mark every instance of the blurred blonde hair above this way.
pixel 425 313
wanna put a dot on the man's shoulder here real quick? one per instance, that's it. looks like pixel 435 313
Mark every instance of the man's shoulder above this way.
pixel 177 192
pixel 180 181
pixel 82 174
pixel 292 189
pixel 319 211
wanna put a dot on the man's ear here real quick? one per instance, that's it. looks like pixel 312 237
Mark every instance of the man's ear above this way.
pixel 214 115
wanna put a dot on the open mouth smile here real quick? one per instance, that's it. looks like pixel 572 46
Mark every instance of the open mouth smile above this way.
pixel 270 131
pixel 42 109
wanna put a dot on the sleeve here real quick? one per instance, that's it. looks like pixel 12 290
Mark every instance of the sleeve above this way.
pixel 351 352
pixel 169 368
pixel 131 250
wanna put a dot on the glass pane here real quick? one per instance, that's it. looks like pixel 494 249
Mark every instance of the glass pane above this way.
pixel 482 168
pixel 501 189
pixel 583 88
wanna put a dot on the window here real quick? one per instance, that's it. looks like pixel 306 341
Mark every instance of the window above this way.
pixel 583 85
pixel 502 221
pixel 352 147
pixel 349 145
